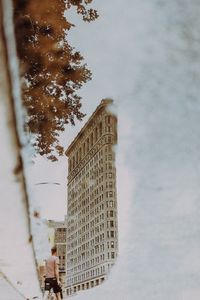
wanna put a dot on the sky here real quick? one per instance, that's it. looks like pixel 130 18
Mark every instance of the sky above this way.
pixel 146 56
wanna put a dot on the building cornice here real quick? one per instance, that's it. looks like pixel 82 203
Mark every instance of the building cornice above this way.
pixel 91 154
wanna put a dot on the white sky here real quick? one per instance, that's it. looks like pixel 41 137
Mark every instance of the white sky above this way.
pixel 146 56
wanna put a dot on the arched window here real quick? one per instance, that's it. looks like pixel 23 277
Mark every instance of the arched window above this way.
pixel 91 139
pixel 88 145
pixel 100 129
pixel 96 134
pixel 84 149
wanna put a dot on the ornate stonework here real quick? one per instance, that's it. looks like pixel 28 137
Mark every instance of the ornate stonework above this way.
pixel 92 228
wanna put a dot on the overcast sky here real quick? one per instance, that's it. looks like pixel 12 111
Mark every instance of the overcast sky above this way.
pixel 146 56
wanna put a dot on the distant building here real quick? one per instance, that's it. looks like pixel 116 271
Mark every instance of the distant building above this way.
pixel 51 232
pixel 57 236
pixel 92 228
pixel 41 272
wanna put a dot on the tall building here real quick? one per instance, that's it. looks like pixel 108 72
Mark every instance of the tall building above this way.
pixel 92 228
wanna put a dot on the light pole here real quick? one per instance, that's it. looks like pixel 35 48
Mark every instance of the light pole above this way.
pixel 45 182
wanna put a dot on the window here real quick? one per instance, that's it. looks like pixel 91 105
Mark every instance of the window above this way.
pixel 111 213
pixel 91 140
pixel 111 223
pixel 87 145
pixel 112 234
pixel 100 128
pixel 96 134
pixel 108 119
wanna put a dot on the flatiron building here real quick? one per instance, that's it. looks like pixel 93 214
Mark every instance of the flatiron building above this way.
pixel 92 227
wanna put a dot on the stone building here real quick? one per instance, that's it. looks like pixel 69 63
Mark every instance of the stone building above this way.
pixel 92 228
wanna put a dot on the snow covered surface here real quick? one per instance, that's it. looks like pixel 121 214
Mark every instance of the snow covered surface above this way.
pixel 148 59
pixel 16 253
pixel 8 292
pixel 145 55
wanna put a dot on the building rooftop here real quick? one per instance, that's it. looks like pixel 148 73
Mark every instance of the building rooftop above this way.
pixel 103 103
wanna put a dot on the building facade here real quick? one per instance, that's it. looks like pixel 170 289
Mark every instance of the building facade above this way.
pixel 58 232
pixel 92 227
